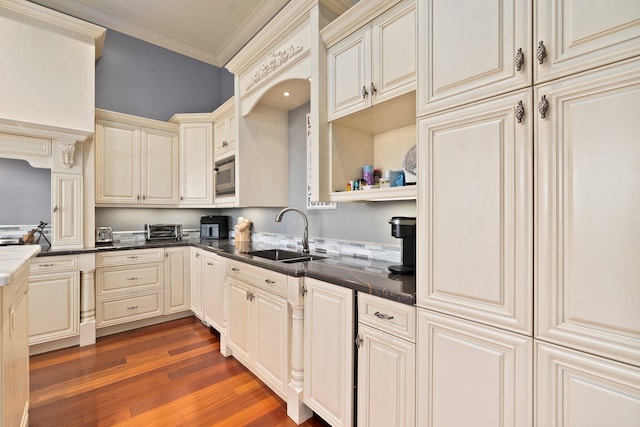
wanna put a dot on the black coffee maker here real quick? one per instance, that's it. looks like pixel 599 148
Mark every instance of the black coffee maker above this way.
pixel 404 227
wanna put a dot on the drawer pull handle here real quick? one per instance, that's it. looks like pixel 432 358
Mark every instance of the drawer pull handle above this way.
pixel 382 316
pixel 235 269
pixel 132 307
pixel 132 257
pixel 270 282
pixel 209 263
pixel 132 278
pixel 519 61
pixel 45 265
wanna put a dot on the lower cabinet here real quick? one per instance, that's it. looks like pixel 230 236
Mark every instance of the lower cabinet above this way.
pixel 578 389
pixel 54 298
pixel 177 275
pixel 14 351
pixel 386 394
pixel 258 324
pixel 129 286
pixel 213 271
pixel 472 375
pixel 328 351
pixel 196 282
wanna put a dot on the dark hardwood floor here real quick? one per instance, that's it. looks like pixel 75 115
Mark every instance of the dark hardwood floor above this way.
pixel 170 374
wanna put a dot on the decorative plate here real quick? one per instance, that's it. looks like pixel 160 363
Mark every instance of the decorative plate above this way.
pixel 409 161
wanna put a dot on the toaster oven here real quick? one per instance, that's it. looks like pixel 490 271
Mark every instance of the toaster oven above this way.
pixel 163 231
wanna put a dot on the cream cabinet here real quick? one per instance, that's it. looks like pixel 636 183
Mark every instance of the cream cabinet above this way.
pixel 54 298
pixel 469 50
pixel 386 393
pixel 476 207
pixel 14 351
pixel 328 351
pixel 196 159
pixel 578 389
pixel 373 64
pixel 67 213
pixel 224 129
pixel 129 286
pixel 588 238
pixel 196 282
pixel 571 37
pixel 472 375
pixel 258 324
pixel 177 279
pixel 136 161
pixel 213 291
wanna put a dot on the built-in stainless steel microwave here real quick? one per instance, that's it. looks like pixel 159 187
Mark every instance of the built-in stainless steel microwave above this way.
pixel 225 177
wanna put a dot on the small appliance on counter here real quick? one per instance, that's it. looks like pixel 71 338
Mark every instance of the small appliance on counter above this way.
pixel 104 235
pixel 214 227
pixel 163 232
pixel 404 227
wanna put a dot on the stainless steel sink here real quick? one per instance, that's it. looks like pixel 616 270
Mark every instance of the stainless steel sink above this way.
pixel 284 255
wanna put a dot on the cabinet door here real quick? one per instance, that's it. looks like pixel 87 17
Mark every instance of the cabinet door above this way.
pixel 393 38
pixel 196 282
pixel 15 354
pixel 587 206
pixel 117 163
pixel 476 205
pixel 467 50
pixel 328 351
pixel 225 134
pixel 67 215
pixel 386 380
pixel 472 375
pixel 159 167
pixel 240 321
pixel 176 265
pixel 576 389
pixel 54 306
pixel 584 35
pixel 349 74
pixel 196 167
pixel 213 275
pixel 271 339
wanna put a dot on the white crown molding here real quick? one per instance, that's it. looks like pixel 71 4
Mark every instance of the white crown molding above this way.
pixel 78 28
pixel 115 116
pixel 356 17
pixel 37 130
pixel 180 118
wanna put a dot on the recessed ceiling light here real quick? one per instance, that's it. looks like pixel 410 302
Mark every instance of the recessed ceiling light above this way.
pixel 286 93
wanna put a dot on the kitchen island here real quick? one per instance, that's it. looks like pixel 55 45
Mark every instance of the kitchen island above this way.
pixel 14 344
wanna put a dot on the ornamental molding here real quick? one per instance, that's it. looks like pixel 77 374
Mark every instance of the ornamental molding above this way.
pixel 274 61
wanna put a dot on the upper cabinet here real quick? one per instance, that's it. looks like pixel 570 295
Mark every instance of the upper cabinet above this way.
pixel 224 129
pixel 471 49
pixel 572 37
pixel 196 159
pixel 136 161
pixel 373 64
pixel 371 104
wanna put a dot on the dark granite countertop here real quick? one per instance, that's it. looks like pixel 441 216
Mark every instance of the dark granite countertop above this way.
pixel 362 275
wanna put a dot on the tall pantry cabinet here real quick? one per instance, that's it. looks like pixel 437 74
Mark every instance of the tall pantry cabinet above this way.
pixel 529 158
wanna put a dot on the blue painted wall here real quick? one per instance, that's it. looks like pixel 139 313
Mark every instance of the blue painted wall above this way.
pixel 141 79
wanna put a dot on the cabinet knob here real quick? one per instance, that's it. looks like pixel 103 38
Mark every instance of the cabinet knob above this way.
pixel 519 111
pixel 269 281
pixel 235 269
pixel 519 62
pixel 543 106
pixel 359 341
pixel 303 291
pixel 181 198
pixel 197 255
pixel 209 263
pixel 144 197
pixel 55 208
pixel 364 92
pixel 541 52
pixel 373 89
pixel 138 197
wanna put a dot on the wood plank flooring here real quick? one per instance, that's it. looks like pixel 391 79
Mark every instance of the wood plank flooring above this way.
pixel 170 374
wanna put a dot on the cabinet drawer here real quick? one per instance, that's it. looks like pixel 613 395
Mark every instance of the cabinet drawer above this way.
pixel 122 310
pixel 115 279
pixel 54 263
pixel 389 316
pixel 137 256
pixel 257 276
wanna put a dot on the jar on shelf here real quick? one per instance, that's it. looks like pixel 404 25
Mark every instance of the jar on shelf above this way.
pixel 367 174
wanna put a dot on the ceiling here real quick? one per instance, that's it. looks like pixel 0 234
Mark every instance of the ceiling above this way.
pixel 212 31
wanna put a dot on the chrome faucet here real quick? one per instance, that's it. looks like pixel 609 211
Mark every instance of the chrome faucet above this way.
pixel 305 237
